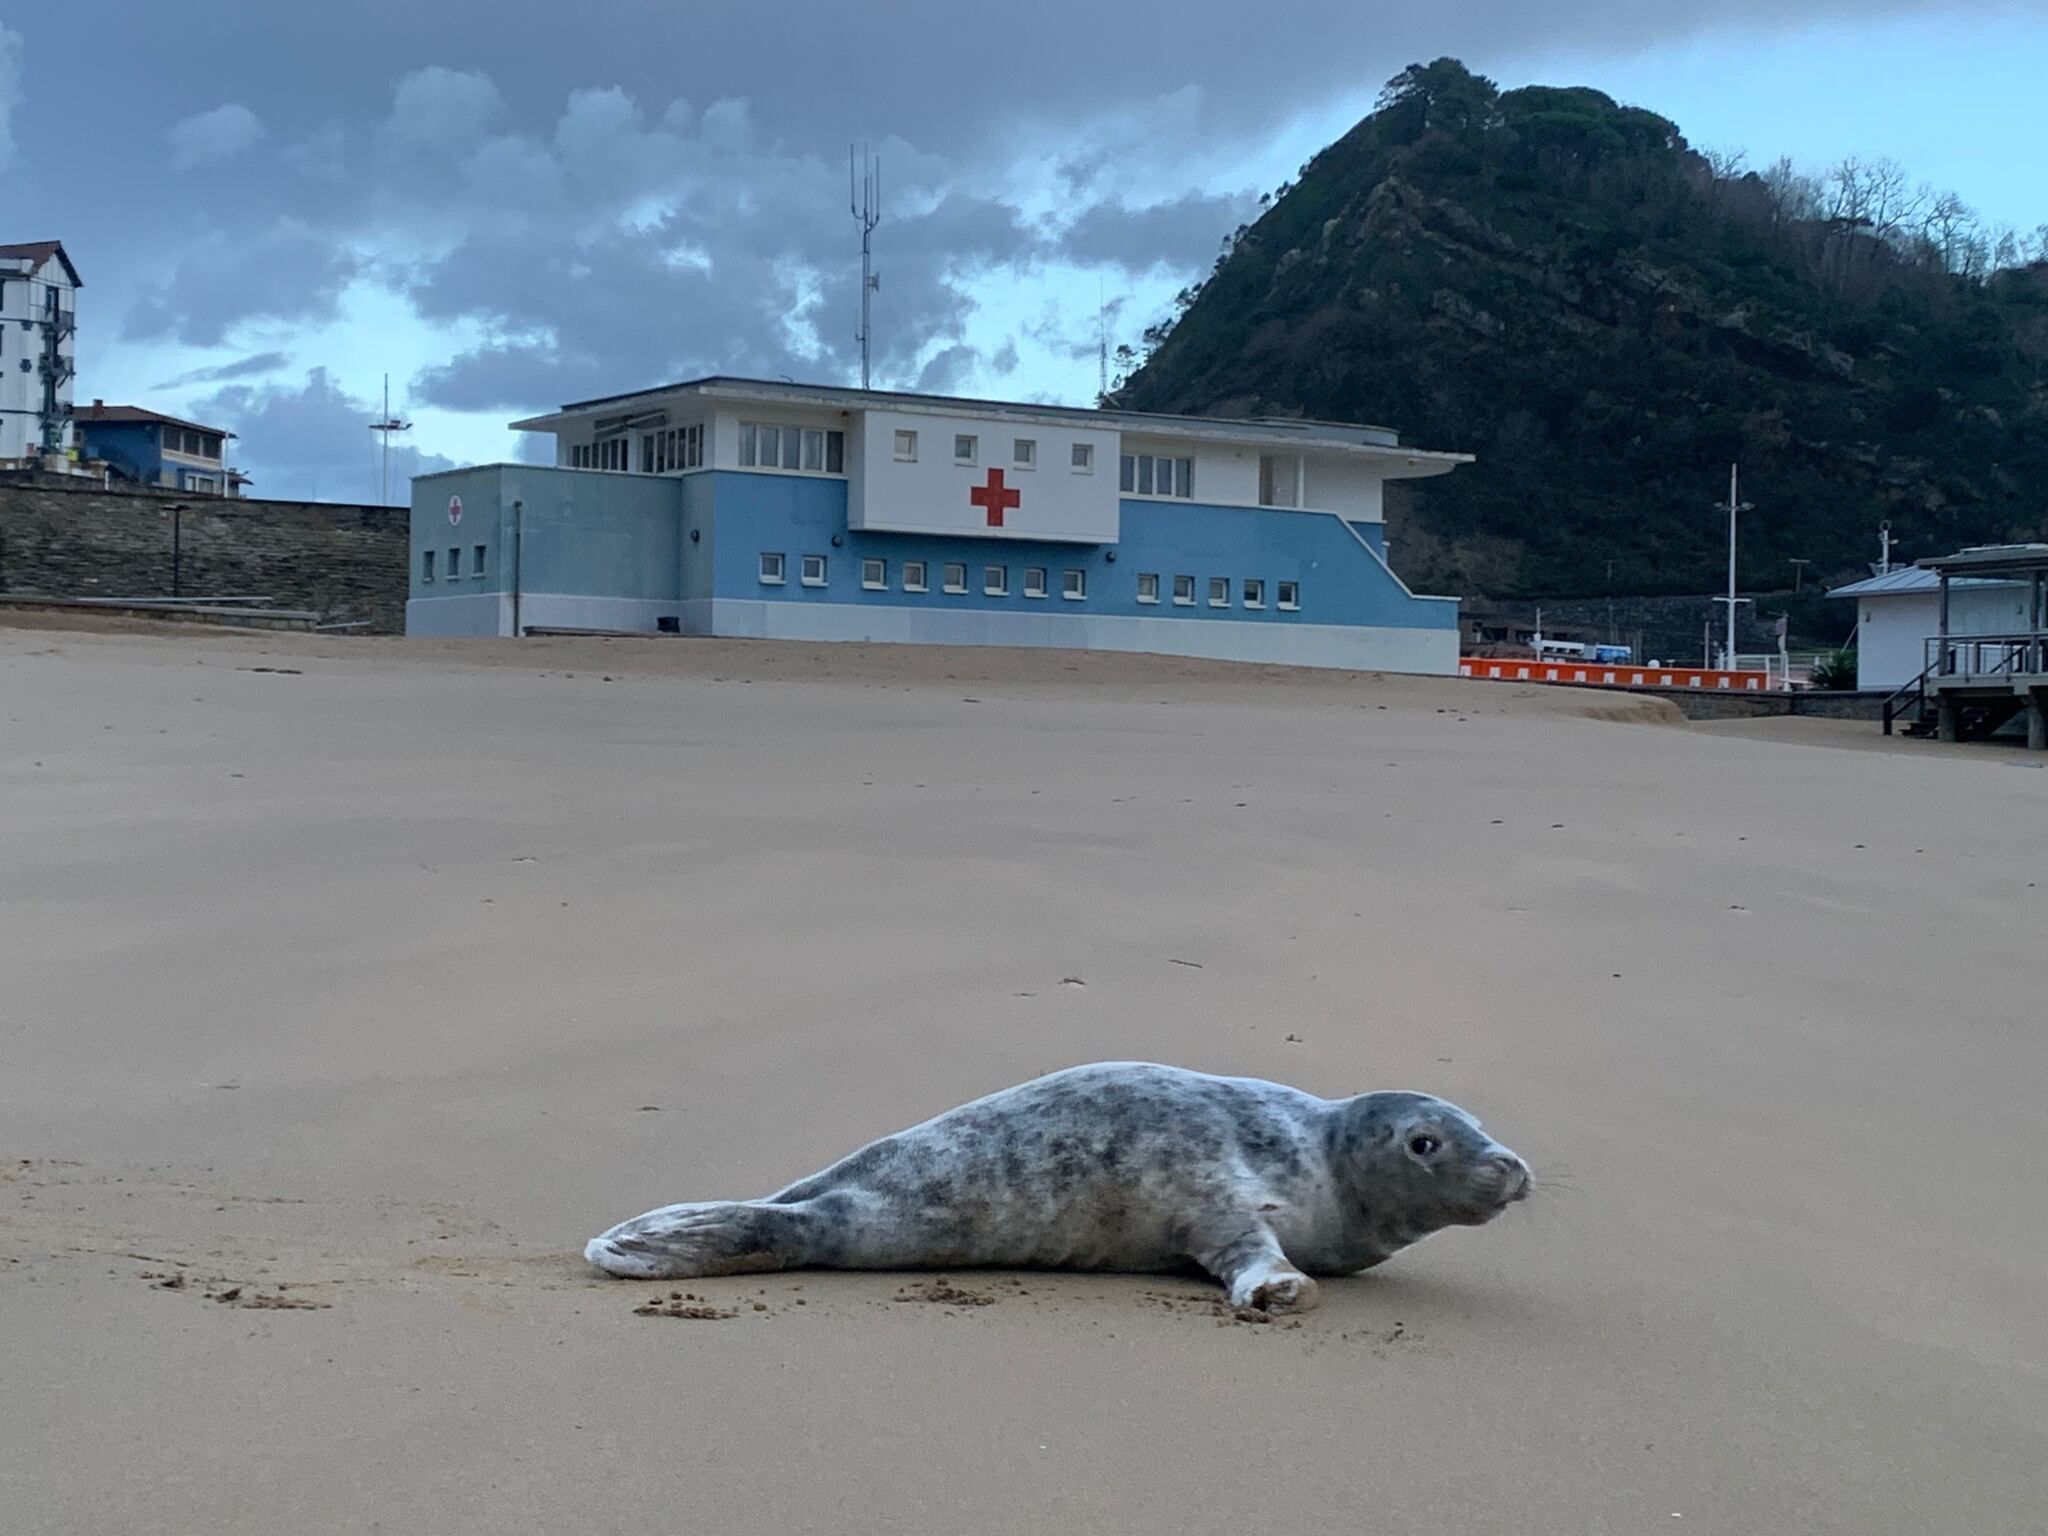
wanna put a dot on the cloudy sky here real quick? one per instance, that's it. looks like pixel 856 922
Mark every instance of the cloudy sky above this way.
pixel 506 206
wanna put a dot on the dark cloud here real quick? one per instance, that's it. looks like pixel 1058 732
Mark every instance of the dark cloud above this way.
pixel 311 440
pixel 252 366
pixel 292 270
pixel 1185 233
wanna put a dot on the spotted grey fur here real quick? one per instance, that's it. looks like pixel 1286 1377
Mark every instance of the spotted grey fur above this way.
pixel 1117 1166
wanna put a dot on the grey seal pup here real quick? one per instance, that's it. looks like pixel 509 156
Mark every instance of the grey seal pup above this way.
pixel 1119 1165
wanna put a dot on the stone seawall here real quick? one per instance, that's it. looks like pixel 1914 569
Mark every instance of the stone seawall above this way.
pixel 345 562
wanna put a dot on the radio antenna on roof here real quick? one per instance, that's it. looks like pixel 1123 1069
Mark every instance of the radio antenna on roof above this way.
pixel 864 196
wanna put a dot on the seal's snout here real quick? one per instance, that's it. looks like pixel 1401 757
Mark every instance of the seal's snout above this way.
pixel 1515 1180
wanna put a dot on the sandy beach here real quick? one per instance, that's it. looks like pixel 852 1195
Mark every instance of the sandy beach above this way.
pixel 350 985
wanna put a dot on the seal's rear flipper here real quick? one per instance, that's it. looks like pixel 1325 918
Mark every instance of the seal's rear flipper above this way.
pixel 682 1242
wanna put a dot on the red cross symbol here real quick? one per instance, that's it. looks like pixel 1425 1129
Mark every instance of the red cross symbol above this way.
pixel 995 496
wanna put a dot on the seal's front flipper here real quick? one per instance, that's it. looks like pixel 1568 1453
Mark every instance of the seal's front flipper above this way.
pixel 720 1237
pixel 1256 1273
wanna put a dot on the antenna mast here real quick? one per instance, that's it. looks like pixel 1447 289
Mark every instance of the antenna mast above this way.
pixel 384 427
pixel 864 197
pixel 1102 341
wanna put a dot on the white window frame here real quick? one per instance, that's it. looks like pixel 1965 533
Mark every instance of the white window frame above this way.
pixel 1024 453
pixel 1082 460
pixel 1290 491
pixel 804 571
pixel 1146 471
pixel 1074 584
pixel 919 581
pixel 999 586
pixel 905 448
pixel 1282 601
pixel 1253 589
pixel 796 447
pixel 1178 600
pixel 1216 601
pixel 1153 578
pixel 874 574
pixel 954 585
pixel 1034 581
pixel 773 569
pixel 973 453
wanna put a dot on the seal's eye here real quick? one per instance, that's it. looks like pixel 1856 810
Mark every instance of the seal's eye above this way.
pixel 1423 1145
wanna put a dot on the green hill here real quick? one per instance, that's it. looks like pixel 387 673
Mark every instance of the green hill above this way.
pixel 1564 287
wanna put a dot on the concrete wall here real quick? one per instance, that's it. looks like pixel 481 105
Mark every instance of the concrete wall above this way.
pixel 346 562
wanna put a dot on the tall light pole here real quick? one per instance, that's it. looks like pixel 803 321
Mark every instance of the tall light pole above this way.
pixel 1734 507
pixel 384 427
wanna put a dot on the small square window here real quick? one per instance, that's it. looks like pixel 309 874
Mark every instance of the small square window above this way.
pixel 1073 585
pixel 1184 590
pixel 771 570
pixel 906 447
pixel 1084 458
pixel 874 575
pixel 956 577
pixel 1254 593
pixel 427 566
pixel 1288 593
pixel 913 576
pixel 454 562
pixel 476 566
pixel 995 580
pixel 814 570
pixel 1148 586
pixel 1219 591
pixel 966 448
pixel 1034 581
pixel 1024 453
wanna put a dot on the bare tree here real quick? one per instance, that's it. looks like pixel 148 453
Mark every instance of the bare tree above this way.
pixel 1949 225
pixel 1793 195
pixel 1727 164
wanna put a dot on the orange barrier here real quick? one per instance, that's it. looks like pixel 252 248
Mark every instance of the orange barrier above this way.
pixel 1609 674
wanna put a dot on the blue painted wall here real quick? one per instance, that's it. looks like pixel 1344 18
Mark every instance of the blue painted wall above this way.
pixel 799 515
pixel 583 533
pixel 132 447
pixel 593 534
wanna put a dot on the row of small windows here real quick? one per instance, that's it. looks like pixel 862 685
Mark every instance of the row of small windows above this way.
pixel 1023 451
pixel 677 448
pixel 806 449
pixel 915 576
pixel 1252 591
pixel 453 569
pixel 612 453
pixel 995 582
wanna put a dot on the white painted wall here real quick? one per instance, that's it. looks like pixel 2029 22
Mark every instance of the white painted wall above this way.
pixel 21 394
pixel 931 495
pixel 1344 485
pixel 1892 629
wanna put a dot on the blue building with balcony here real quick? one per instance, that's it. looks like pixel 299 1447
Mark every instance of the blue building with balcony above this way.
pixel 151 448
pixel 771 510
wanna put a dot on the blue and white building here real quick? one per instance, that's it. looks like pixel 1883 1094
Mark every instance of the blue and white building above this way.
pixel 786 511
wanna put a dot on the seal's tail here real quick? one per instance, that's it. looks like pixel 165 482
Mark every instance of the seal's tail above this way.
pixel 721 1237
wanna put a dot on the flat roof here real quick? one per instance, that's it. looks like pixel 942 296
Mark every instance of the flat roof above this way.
pixel 1378 442
pixel 1991 558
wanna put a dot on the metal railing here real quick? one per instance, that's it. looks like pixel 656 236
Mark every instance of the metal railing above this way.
pixel 1990 657
pixel 1907 697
